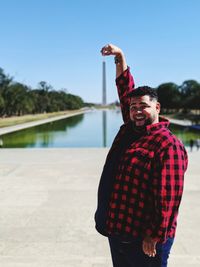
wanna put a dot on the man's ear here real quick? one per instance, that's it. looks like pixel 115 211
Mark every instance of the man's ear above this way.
pixel 158 107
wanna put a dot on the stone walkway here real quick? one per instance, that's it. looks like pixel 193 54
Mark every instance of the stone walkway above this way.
pixel 47 203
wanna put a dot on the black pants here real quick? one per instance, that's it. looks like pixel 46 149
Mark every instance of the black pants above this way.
pixel 130 254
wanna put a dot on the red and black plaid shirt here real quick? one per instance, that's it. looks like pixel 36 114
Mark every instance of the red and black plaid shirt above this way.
pixel 148 183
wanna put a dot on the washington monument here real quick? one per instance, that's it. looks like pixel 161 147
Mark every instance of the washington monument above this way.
pixel 104 84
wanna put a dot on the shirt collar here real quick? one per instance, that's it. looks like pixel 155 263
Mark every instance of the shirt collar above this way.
pixel 163 123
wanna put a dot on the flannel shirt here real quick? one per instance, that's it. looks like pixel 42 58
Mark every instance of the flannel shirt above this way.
pixel 145 192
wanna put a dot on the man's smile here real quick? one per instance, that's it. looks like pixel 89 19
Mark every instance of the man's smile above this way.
pixel 139 117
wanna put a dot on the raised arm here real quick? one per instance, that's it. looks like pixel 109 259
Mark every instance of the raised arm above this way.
pixel 124 79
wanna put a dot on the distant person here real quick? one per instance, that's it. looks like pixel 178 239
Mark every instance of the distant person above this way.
pixel 141 184
pixel 191 144
pixel 198 143
pixel 1 143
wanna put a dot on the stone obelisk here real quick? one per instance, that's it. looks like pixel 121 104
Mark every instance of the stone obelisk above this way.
pixel 104 84
pixel 104 104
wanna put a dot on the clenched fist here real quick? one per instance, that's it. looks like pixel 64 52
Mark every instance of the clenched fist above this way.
pixel 110 49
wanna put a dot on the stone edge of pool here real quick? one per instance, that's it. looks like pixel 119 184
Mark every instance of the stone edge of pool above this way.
pixel 18 127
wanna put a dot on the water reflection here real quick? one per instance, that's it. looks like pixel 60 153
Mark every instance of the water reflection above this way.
pixel 42 135
pixel 1 142
pixel 104 119
pixel 93 129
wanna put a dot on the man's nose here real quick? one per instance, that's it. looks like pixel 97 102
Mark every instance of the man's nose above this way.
pixel 139 111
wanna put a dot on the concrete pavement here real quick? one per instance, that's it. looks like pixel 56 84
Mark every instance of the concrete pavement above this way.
pixel 47 203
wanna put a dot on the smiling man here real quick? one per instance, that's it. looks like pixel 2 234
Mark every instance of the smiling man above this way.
pixel 144 107
pixel 141 184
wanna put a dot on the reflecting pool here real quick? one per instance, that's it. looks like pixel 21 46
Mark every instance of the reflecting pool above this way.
pixel 92 129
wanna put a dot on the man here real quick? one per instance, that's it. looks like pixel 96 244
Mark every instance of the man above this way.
pixel 142 181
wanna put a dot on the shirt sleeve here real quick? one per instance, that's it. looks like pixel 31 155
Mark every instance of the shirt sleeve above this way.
pixel 167 190
pixel 125 84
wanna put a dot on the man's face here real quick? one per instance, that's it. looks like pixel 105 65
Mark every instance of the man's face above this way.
pixel 144 111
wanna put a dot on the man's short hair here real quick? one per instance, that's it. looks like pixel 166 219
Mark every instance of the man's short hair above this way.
pixel 144 90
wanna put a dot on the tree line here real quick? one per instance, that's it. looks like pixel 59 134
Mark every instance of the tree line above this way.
pixel 185 97
pixel 19 99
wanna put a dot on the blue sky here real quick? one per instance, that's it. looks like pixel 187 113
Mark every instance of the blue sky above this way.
pixel 59 41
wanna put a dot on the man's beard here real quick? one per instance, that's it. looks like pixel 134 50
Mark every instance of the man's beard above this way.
pixel 148 121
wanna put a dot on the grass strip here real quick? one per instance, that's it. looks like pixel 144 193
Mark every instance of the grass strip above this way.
pixel 11 121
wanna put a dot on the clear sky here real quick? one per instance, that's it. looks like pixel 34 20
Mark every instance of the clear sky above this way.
pixel 59 41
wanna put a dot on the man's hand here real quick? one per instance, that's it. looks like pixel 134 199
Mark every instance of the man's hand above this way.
pixel 111 49
pixel 149 246
pixel 120 60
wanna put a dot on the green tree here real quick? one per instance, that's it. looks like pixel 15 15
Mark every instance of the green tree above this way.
pixel 43 91
pixel 2 104
pixel 5 80
pixel 16 99
pixel 190 91
pixel 169 96
pixel 73 101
